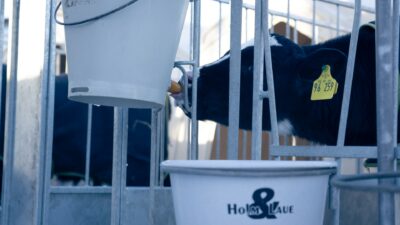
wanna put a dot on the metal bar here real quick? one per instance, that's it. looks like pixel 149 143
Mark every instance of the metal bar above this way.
pixel 247 25
pixel 264 94
pixel 313 21
pixel 120 148
pixel 154 144
pixel 234 78
pixel 348 5
pixel 88 143
pixel 191 58
pixel 161 147
pixel 191 33
pixel 346 102
pixel 218 128
pixel 256 142
pixel 270 78
pixel 396 37
pixel 2 32
pixel 295 33
pixel 272 23
pixel 80 190
pixel 349 182
pixel 395 70
pixel 220 30
pixel 337 20
pixel 218 142
pixel 349 75
pixel 244 144
pixel 196 58
pixel 333 2
pixel 385 106
pixel 294 17
pixel 335 193
pixel 287 27
pixel 305 20
pixel 9 139
pixel 47 114
pixel 153 161
pixel 326 151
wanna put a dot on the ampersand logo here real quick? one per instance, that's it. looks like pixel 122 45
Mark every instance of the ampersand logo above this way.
pixel 261 198
pixel 263 206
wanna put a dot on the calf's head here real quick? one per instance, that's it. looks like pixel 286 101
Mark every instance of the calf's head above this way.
pixel 294 73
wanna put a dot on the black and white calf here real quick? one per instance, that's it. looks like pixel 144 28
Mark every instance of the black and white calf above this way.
pixel 295 70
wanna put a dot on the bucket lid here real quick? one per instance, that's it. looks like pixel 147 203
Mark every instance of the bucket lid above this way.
pixel 249 167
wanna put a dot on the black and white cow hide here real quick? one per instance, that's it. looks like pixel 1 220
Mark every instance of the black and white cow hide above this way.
pixel 295 69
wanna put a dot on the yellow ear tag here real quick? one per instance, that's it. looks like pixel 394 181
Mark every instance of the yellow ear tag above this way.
pixel 325 87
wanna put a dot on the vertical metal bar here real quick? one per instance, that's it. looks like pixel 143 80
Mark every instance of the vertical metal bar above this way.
pixel 395 70
pixel 272 24
pixel 314 21
pixel 218 142
pixel 161 147
pixel 191 53
pixel 296 33
pixel 196 58
pixel 234 79
pixel 47 115
pixel 346 102
pixel 218 135
pixel 2 32
pixel 154 145
pixel 244 145
pixel 153 161
pixel 189 136
pixel 244 132
pixel 288 20
pixel 349 74
pixel 156 160
pixel 189 124
pixel 191 29
pixel 88 143
pixel 120 147
pixel 9 139
pixel 220 29
pixel 385 106
pixel 359 166
pixel 337 20
pixel 247 24
pixel 270 77
pixel 256 142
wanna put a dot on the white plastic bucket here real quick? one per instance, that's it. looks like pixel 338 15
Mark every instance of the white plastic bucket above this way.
pixel 126 58
pixel 249 192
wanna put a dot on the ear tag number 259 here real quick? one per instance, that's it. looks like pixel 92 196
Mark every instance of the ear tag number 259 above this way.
pixel 325 87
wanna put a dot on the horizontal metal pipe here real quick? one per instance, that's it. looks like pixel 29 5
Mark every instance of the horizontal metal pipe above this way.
pixel 80 190
pixel 327 151
pixel 348 5
pixel 298 18
pixel 96 189
pixel 349 182
pixel 264 94
pixel 333 2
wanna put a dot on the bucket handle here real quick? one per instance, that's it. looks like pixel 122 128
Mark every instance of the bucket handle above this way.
pixel 93 18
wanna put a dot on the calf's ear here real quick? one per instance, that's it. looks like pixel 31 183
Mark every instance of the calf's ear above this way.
pixel 310 67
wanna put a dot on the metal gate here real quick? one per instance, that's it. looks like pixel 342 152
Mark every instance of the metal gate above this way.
pixel 28 196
